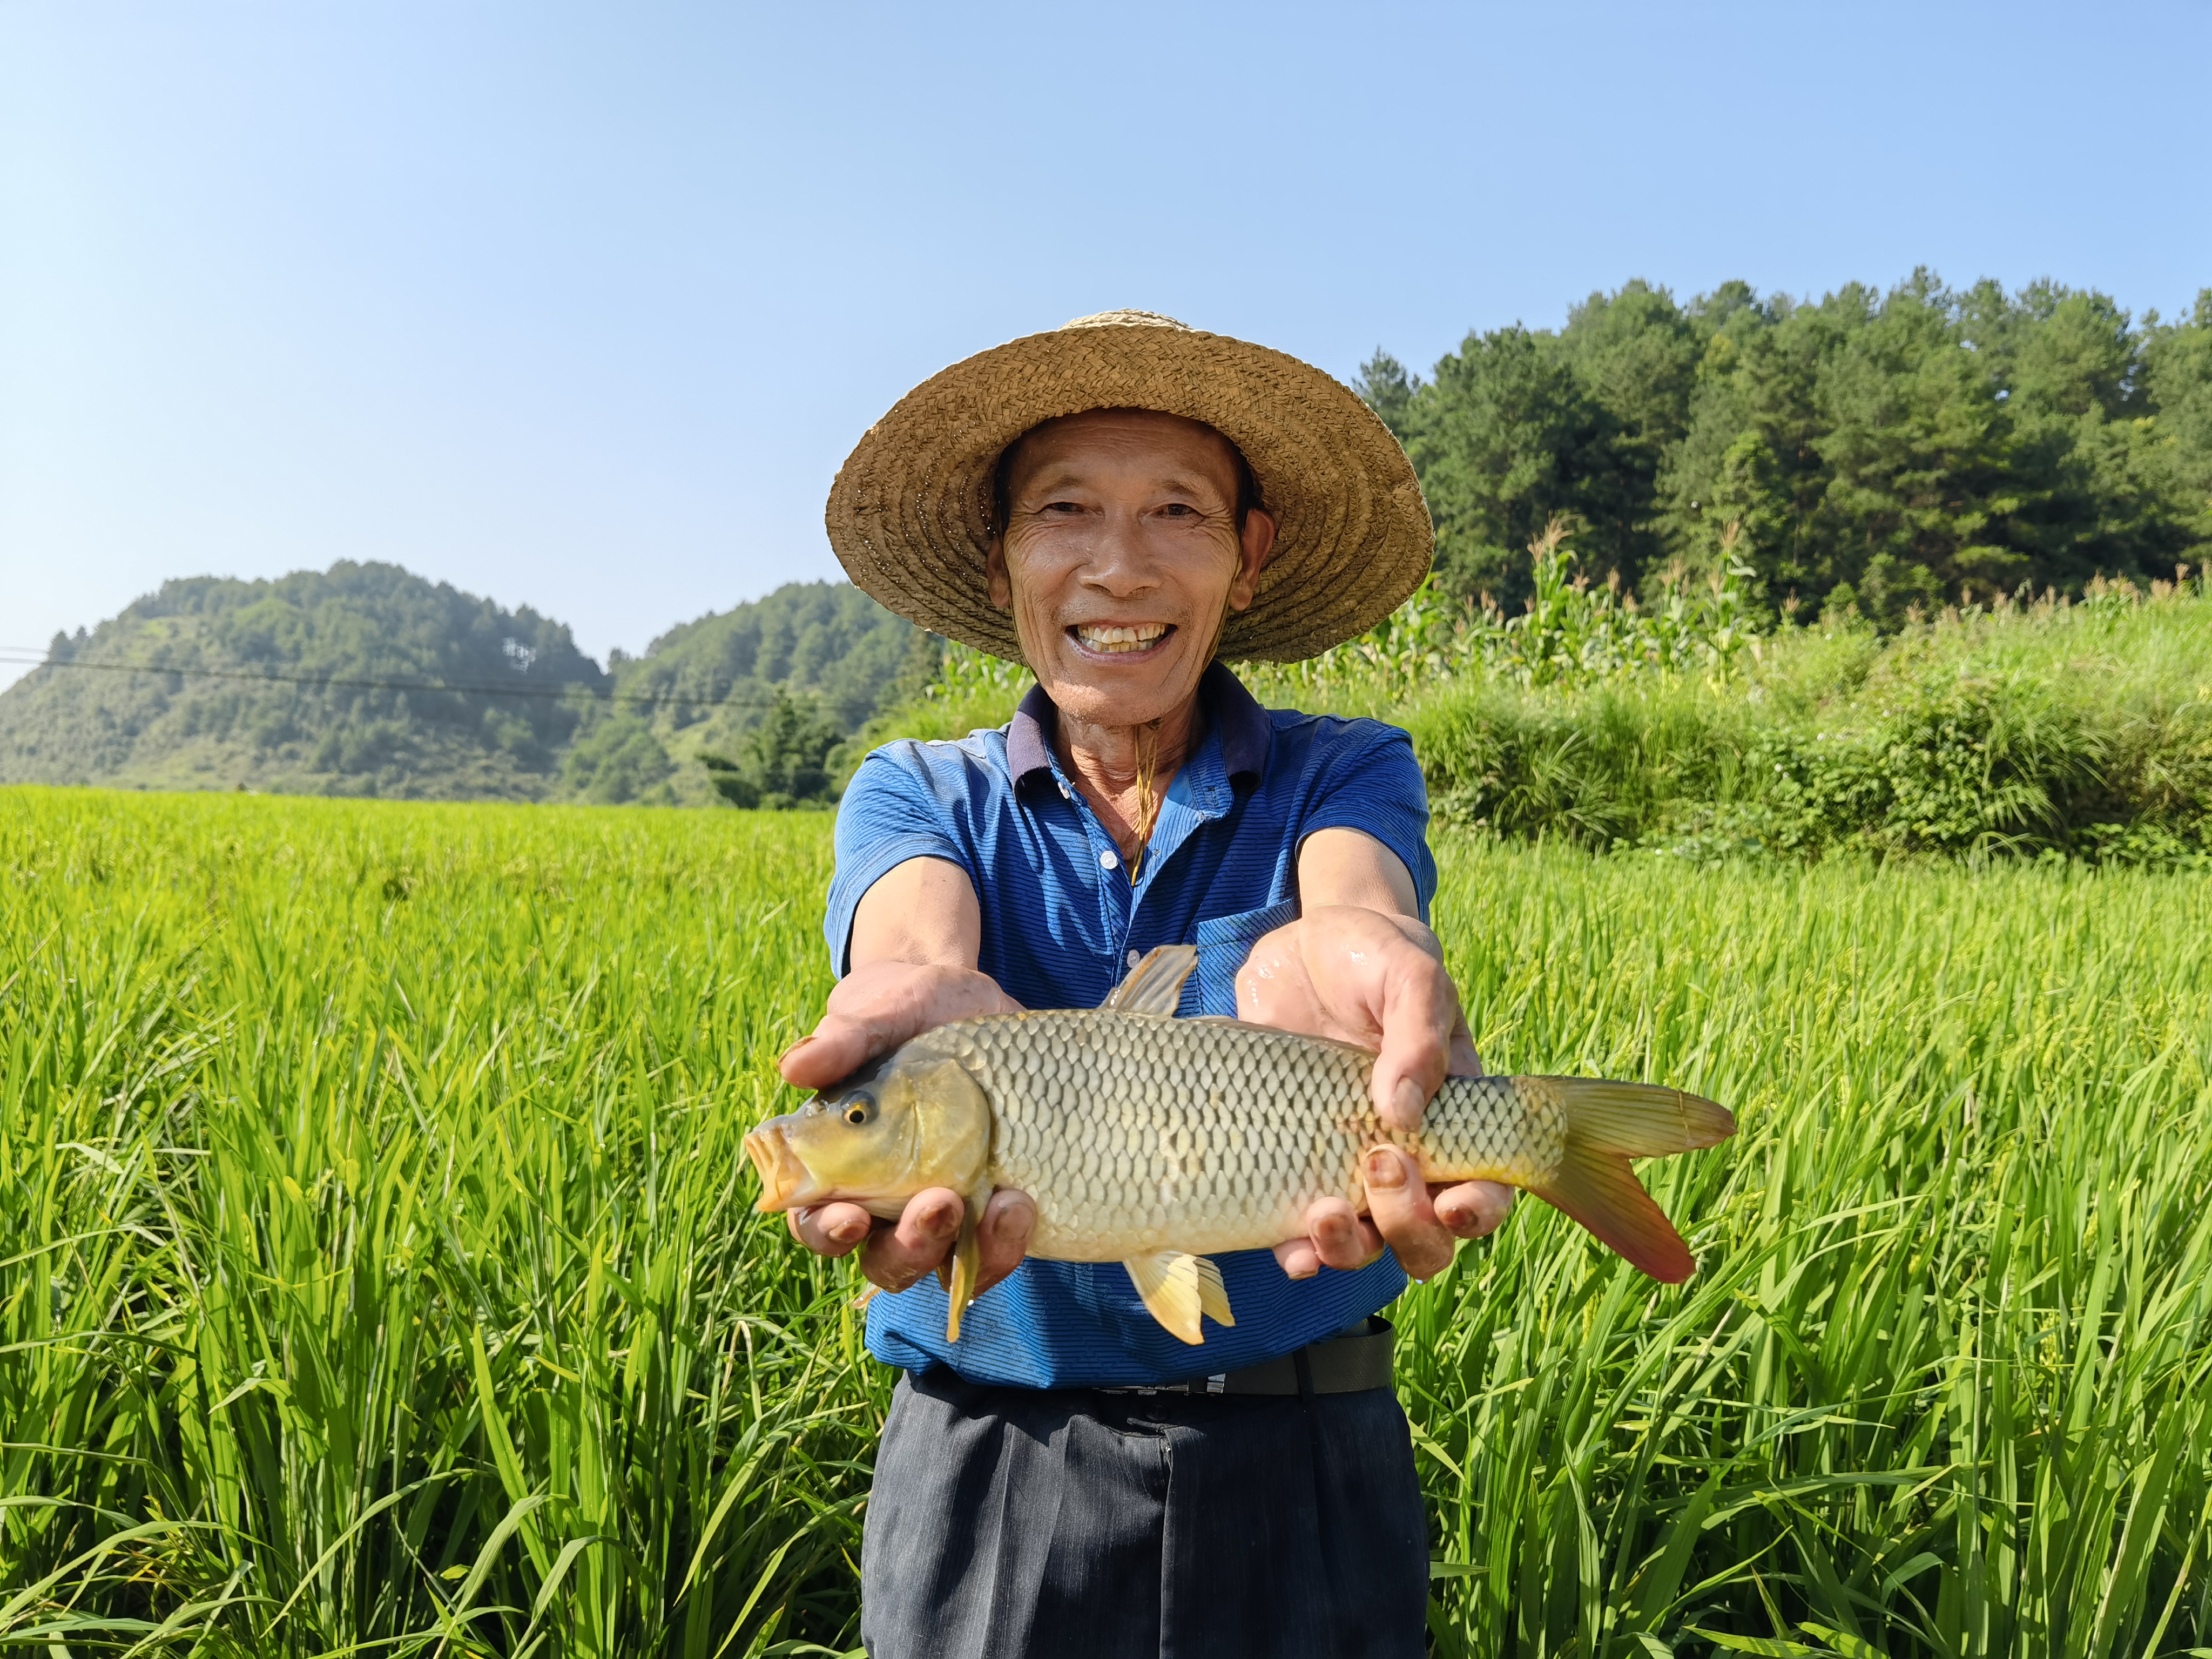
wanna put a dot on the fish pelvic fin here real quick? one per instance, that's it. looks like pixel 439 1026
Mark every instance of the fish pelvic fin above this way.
pixel 1154 986
pixel 1212 1294
pixel 1607 1125
pixel 1178 1288
pixel 957 1271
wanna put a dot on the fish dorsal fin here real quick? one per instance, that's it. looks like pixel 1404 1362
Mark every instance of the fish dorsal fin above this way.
pixel 1178 1288
pixel 1155 984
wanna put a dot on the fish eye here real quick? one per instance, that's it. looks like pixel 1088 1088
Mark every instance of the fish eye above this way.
pixel 859 1109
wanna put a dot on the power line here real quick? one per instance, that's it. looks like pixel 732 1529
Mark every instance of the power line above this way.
pixel 20 655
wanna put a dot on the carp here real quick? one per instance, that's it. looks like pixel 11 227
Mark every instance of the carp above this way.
pixel 1157 1142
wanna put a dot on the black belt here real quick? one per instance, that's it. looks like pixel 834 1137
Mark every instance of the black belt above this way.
pixel 1352 1362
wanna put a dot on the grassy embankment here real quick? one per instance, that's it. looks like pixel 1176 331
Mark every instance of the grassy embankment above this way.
pixel 377 1273
pixel 2076 730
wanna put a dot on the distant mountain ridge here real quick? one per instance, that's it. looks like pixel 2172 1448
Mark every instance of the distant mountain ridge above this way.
pixel 703 685
pixel 383 683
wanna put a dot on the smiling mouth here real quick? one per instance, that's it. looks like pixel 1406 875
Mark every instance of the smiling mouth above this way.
pixel 1118 641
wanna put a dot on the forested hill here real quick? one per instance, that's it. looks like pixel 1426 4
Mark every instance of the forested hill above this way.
pixel 1887 454
pixel 165 695
pixel 1883 451
pixel 704 687
pixel 366 679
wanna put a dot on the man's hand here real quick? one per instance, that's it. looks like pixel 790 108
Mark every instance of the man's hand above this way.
pixel 874 1009
pixel 1361 976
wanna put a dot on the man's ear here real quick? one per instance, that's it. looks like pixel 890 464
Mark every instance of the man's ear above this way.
pixel 1002 585
pixel 1256 541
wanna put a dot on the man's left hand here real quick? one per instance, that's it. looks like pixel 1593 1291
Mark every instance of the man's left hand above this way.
pixel 1361 976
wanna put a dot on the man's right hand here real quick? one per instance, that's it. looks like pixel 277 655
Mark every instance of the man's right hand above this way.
pixel 875 1008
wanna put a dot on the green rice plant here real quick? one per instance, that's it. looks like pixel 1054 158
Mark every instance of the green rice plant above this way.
pixel 1940 1386
pixel 378 1273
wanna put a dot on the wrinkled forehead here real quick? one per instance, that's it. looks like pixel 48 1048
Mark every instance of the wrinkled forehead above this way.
pixel 1101 444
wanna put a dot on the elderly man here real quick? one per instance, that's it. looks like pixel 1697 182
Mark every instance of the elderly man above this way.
pixel 1120 503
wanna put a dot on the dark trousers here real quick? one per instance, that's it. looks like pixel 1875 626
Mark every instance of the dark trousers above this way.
pixel 1081 1525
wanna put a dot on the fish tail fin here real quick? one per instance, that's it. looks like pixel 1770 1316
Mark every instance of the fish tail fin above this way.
pixel 1607 1125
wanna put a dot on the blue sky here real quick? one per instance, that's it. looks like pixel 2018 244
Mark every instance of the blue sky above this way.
pixel 582 306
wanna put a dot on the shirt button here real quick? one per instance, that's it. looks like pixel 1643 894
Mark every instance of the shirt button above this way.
pixel 1107 861
pixel 1134 958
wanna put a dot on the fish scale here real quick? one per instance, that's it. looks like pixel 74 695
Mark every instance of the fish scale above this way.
pixel 1181 1100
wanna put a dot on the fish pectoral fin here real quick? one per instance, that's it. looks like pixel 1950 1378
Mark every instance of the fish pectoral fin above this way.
pixel 1155 984
pixel 957 1271
pixel 1178 1288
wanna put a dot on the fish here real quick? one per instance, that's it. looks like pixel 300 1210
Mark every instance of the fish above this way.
pixel 1160 1142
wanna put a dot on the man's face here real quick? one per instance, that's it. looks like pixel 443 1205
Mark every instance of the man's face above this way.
pixel 1121 557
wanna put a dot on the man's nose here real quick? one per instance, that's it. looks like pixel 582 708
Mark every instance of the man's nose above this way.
pixel 1120 561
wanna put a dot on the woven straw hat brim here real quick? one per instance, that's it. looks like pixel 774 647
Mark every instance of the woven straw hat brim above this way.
pixel 909 513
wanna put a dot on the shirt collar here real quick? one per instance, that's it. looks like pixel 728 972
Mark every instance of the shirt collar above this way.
pixel 1245 731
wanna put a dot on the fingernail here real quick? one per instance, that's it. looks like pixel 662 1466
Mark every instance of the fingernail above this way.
pixel 1454 1216
pixel 1406 1101
pixel 849 1231
pixel 792 1050
pixel 1385 1168
pixel 941 1224
pixel 1335 1230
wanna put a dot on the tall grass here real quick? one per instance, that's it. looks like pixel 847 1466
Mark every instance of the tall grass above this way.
pixel 377 1273
pixel 2071 731
pixel 2038 727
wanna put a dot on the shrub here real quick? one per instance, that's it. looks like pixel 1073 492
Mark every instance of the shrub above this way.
pixel 2034 726
pixel 785 760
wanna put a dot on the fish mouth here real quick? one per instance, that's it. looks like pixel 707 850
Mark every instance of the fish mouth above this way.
pixel 785 1179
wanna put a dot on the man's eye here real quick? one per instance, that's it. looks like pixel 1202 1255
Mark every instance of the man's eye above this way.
pixel 1062 506
pixel 1179 510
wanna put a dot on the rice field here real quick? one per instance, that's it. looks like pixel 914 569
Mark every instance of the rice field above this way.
pixel 378 1273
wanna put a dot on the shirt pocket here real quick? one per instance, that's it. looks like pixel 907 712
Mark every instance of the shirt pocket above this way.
pixel 1222 944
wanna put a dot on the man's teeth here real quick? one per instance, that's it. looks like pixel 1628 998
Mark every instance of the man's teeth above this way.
pixel 1120 639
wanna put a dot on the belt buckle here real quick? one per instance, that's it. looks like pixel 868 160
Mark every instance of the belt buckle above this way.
pixel 1216 1383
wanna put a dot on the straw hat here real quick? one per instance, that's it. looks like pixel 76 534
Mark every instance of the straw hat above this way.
pixel 910 513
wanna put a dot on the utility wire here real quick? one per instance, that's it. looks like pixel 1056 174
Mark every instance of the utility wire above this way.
pixel 15 654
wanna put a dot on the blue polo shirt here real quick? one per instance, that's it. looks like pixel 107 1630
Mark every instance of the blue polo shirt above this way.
pixel 1062 922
